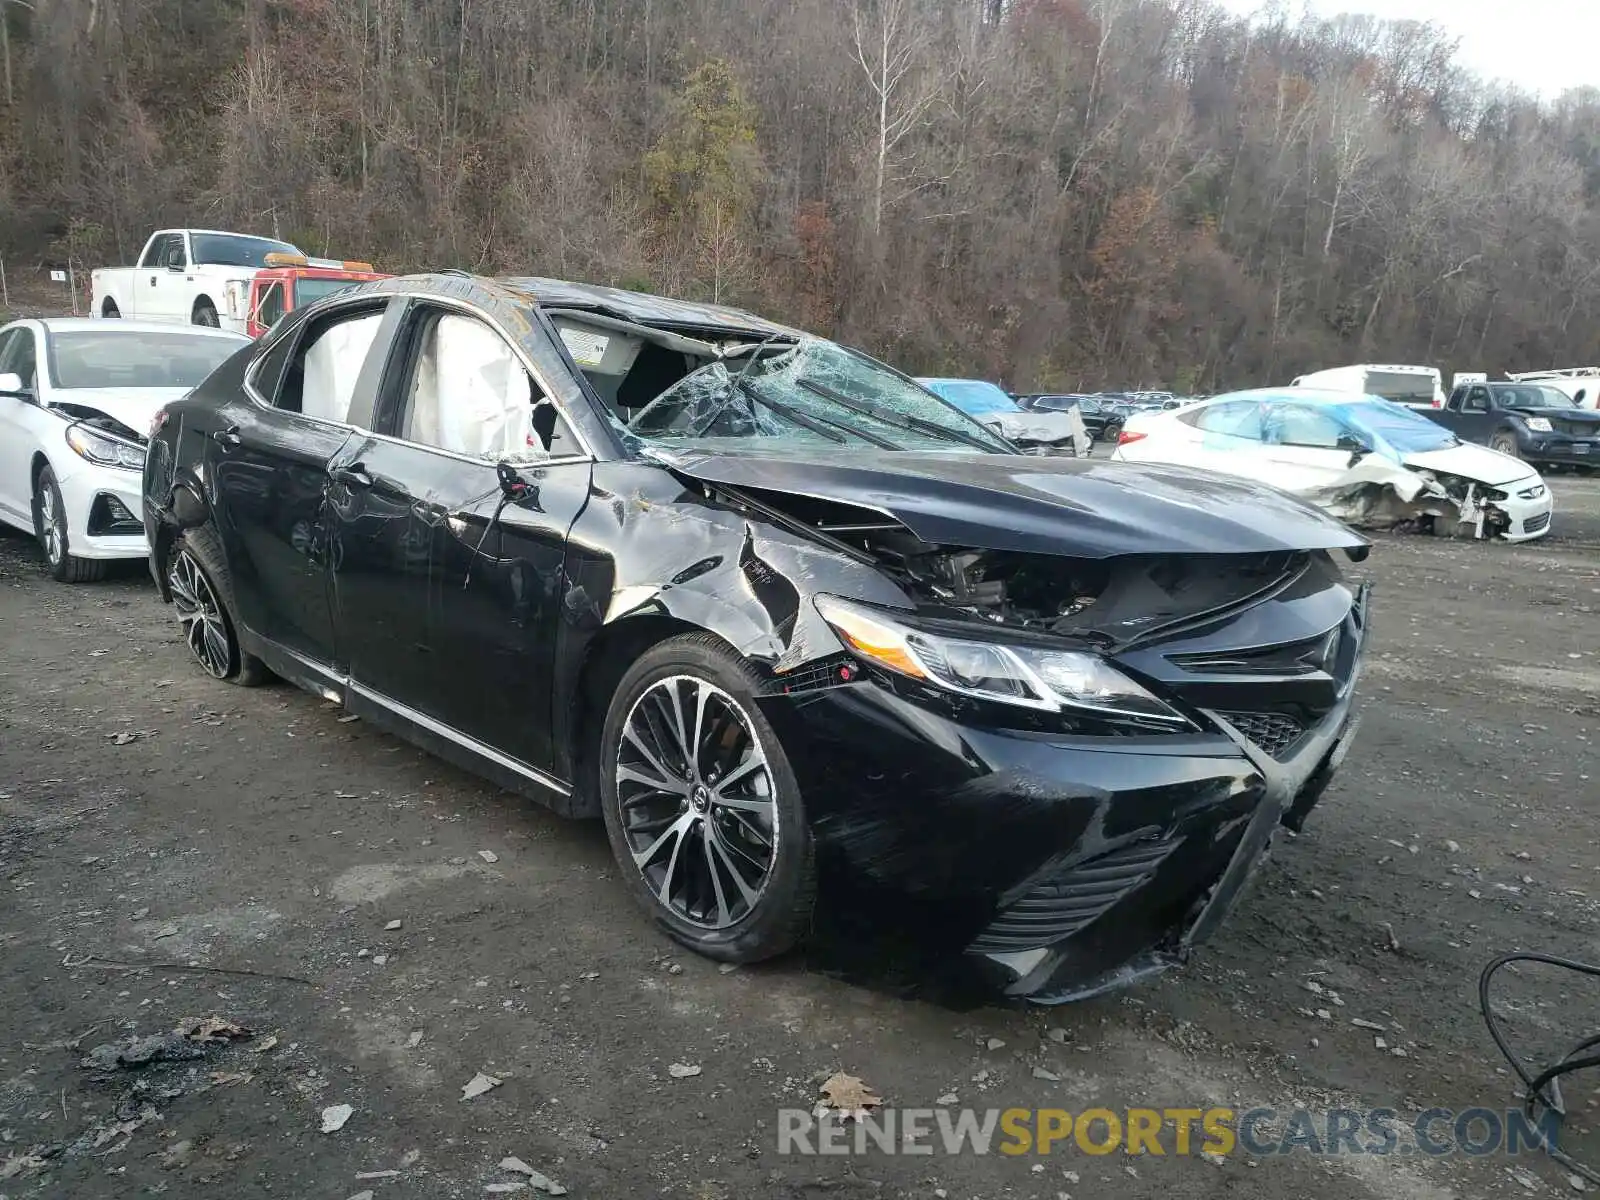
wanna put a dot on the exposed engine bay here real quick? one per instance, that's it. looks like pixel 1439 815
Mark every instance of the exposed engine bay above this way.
pixel 1110 602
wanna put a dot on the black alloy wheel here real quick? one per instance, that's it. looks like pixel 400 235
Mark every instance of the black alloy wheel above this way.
pixel 208 636
pixel 701 804
pixel 200 586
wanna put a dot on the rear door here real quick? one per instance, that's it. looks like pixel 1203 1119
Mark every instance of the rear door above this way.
pixel 305 398
pixel 448 591
pixel 1221 437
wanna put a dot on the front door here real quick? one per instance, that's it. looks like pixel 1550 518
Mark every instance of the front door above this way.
pixel 18 427
pixel 447 589
pixel 270 455
pixel 1305 447
pixel 1473 422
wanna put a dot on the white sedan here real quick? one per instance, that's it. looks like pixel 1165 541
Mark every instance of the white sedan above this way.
pixel 1361 458
pixel 76 401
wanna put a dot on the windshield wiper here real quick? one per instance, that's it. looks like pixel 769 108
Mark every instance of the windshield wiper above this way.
pixel 816 424
pixel 898 420
pixel 804 418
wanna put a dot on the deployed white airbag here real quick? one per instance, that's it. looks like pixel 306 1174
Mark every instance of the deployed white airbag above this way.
pixel 472 394
pixel 333 364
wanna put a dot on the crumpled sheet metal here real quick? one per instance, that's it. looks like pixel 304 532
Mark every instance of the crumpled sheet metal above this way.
pixel 1044 428
pixel 1378 493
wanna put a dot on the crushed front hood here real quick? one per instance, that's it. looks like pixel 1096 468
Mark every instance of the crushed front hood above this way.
pixel 1036 504
pixel 1471 461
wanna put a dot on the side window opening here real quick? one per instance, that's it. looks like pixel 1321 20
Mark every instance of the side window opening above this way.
pixel 469 393
pixel 272 307
pixel 24 360
pixel 315 374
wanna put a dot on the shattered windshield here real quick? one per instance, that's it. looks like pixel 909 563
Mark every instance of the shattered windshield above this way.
pixel 812 392
pixel 1400 427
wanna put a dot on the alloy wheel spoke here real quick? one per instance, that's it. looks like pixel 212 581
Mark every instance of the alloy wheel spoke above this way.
pixel 676 830
pixel 650 755
pixel 724 914
pixel 217 647
pixel 678 730
pixel 756 761
pixel 756 804
pixel 752 831
pixel 683 825
pixel 701 694
pixel 715 840
pixel 655 782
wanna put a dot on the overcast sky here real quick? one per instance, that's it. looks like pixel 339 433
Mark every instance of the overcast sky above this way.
pixel 1543 46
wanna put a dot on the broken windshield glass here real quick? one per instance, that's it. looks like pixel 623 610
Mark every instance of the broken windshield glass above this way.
pixel 814 391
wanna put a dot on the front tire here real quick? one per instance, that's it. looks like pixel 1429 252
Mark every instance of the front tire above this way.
pixel 50 527
pixel 1505 443
pixel 202 596
pixel 205 313
pixel 701 805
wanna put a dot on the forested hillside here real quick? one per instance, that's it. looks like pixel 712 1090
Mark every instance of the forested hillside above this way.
pixel 1049 192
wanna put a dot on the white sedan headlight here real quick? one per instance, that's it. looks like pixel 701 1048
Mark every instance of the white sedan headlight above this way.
pixel 105 450
pixel 1033 677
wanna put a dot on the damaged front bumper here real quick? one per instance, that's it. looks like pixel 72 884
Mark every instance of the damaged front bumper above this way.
pixel 1058 867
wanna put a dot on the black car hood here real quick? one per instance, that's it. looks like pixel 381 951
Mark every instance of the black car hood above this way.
pixel 1036 504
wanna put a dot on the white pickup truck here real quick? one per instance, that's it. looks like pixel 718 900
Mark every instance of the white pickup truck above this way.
pixel 188 277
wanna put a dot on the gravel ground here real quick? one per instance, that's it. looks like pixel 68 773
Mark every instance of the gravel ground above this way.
pixel 174 848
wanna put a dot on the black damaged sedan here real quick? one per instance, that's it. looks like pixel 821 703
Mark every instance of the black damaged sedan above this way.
pixel 793 626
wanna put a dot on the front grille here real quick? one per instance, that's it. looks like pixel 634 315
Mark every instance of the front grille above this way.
pixel 1273 732
pixel 1290 658
pixel 1072 897
pixel 1534 524
pixel 1578 429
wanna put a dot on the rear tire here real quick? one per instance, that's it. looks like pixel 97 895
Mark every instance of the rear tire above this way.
pixel 205 313
pixel 110 310
pixel 1505 443
pixel 202 595
pixel 720 855
pixel 50 527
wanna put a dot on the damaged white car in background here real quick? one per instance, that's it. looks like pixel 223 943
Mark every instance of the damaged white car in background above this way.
pixel 1032 432
pixel 1362 459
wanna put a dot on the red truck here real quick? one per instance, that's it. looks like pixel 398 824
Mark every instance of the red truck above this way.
pixel 290 281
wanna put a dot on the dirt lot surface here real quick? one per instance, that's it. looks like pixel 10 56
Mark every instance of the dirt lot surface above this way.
pixel 409 928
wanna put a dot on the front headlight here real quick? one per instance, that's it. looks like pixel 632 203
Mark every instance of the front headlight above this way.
pixel 105 450
pixel 1052 680
pixel 1540 424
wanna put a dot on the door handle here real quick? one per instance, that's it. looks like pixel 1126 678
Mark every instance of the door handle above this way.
pixel 355 475
pixel 152 281
pixel 228 437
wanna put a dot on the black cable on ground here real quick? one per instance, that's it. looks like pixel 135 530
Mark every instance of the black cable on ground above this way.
pixel 1543 1091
